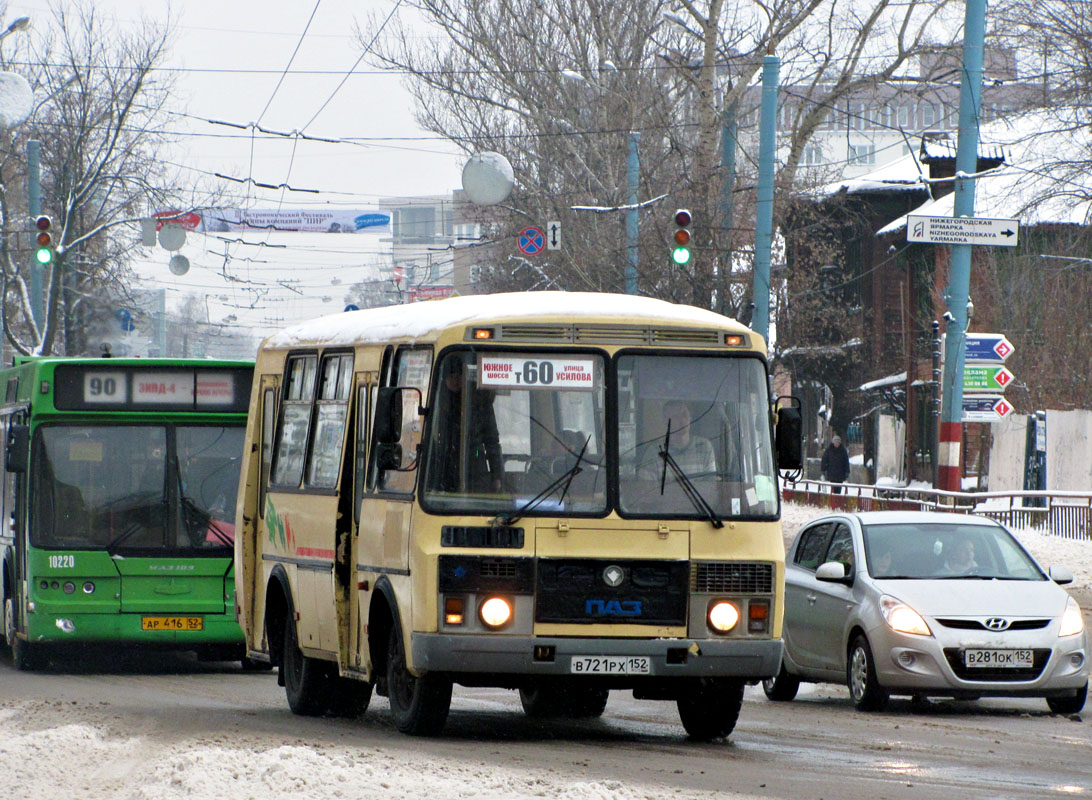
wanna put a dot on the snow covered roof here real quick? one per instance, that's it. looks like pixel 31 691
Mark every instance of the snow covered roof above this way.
pixel 418 320
pixel 890 380
pixel 1044 183
pixel 934 148
pixel 902 174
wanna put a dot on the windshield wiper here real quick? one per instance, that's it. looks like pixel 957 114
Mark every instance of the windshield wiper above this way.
pixel 565 480
pixel 205 522
pixel 689 489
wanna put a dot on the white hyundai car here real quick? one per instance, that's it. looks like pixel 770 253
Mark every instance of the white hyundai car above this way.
pixel 927 604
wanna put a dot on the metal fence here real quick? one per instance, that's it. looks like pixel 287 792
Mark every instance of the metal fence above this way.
pixel 1065 514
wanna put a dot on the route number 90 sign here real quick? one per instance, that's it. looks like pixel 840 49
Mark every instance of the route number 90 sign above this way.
pixel 536 373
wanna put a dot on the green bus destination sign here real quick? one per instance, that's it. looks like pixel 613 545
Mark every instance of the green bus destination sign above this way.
pixel 985 378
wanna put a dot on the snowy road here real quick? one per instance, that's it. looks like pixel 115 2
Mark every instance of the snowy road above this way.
pixel 189 730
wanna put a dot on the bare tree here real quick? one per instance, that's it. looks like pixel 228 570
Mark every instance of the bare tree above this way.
pixel 100 108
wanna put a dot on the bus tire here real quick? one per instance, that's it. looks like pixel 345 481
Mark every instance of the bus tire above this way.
pixel 419 705
pixel 709 708
pixel 308 682
pixel 9 623
pixel 351 697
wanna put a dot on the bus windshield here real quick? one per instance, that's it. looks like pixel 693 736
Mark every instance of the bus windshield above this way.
pixel 517 433
pixel 159 487
pixel 710 415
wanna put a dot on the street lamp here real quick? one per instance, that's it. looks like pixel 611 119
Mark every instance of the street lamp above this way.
pixel 17 24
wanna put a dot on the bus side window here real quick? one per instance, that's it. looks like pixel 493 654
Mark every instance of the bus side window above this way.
pixel 269 407
pixel 291 441
pixel 360 455
pixel 412 368
pixel 331 417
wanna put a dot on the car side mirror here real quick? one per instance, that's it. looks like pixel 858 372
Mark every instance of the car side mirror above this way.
pixel 1060 575
pixel 833 572
pixel 18 448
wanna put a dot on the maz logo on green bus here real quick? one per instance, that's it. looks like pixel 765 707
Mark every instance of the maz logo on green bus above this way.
pixel 62 562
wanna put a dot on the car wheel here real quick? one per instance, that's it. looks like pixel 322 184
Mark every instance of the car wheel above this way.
pixel 864 687
pixel 1069 705
pixel 308 682
pixel 419 705
pixel 710 708
pixel 782 687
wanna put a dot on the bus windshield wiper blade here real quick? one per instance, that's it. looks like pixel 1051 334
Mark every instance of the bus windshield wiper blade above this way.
pixel 689 489
pixel 564 480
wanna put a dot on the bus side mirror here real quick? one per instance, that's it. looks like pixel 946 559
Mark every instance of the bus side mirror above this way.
pixel 388 415
pixel 789 435
pixel 18 448
pixel 388 456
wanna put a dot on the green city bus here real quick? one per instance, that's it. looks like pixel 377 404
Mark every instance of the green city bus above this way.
pixel 119 480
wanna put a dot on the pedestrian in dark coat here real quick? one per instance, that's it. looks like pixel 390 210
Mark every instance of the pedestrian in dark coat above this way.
pixel 835 464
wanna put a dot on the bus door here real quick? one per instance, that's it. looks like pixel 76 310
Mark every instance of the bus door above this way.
pixel 359 588
pixel 12 537
pixel 386 508
pixel 256 537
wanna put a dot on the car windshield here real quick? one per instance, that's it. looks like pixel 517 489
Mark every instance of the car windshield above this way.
pixel 946 551
pixel 711 416
pixel 517 433
pixel 159 487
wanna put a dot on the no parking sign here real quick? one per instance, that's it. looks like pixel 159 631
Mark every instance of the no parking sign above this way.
pixel 531 240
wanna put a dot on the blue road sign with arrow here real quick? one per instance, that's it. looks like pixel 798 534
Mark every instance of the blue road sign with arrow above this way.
pixel 987 347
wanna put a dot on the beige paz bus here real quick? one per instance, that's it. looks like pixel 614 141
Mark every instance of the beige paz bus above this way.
pixel 558 493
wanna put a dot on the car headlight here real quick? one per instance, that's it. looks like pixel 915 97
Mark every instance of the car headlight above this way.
pixel 900 617
pixel 1072 619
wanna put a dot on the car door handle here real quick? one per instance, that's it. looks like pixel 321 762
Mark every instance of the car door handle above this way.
pixel 811 599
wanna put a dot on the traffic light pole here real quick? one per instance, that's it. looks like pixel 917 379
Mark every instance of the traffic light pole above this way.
pixel 949 457
pixel 34 201
pixel 760 319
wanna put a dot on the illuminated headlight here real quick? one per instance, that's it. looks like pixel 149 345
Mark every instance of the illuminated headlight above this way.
pixel 495 612
pixel 1072 621
pixel 900 617
pixel 723 616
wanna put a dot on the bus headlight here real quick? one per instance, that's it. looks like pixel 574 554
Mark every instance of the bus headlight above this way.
pixel 722 616
pixel 496 612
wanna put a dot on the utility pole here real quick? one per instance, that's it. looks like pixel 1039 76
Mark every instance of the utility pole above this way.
pixel 728 132
pixel 949 455
pixel 760 321
pixel 632 180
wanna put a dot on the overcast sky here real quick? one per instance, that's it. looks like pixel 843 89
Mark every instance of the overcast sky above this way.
pixel 229 56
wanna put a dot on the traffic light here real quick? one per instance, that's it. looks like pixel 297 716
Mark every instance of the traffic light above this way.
pixel 680 250
pixel 44 239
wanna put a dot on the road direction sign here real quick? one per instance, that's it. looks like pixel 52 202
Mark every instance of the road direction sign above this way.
pixel 531 240
pixel 993 347
pixel 553 235
pixel 984 378
pixel 962 230
pixel 985 408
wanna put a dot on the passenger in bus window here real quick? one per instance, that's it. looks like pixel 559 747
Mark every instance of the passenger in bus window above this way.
pixel 694 454
pixel 485 465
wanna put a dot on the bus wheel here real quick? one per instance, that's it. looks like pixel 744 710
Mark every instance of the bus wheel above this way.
pixel 419 705
pixel 351 697
pixel 9 623
pixel 709 708
pixel 307 681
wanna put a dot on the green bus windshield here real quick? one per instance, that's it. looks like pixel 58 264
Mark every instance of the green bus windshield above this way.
pixel 154 487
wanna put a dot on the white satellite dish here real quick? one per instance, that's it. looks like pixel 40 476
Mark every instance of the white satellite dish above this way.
pixel 487 179
pixel 172 236
pixel 16 99
pixel 179 264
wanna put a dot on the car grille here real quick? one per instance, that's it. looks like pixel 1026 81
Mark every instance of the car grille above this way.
pixel 572 590
pixel 731 577
pixel 1040 656
pixel 978 625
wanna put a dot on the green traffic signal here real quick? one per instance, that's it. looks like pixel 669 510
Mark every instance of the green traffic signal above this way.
pixel 44 255
pixel 680 255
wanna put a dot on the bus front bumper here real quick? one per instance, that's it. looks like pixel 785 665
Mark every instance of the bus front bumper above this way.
pixel 747 659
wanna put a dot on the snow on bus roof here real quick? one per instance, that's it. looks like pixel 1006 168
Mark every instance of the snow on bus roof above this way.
pixel 417 320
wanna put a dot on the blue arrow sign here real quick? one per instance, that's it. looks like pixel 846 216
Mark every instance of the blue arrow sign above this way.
pixel 987 347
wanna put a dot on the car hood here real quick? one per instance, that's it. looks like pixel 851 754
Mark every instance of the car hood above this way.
pixel 976 598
